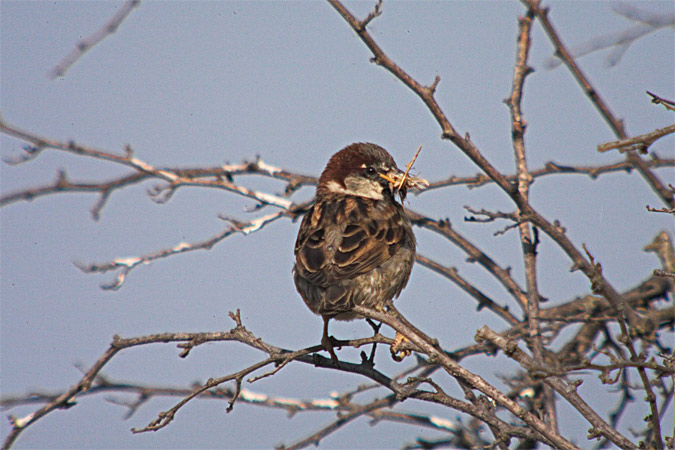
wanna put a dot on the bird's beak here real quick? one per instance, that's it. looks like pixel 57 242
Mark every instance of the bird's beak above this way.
pixel 388 178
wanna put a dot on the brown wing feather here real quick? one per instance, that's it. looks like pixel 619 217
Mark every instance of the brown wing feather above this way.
pixel 344 241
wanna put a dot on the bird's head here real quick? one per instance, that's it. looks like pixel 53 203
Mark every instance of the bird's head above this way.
pixel 366 170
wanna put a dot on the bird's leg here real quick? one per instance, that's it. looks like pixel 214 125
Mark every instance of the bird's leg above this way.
pixel 327 343
pixel 396 354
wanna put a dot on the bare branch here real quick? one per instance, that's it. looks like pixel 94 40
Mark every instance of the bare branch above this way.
pixel 125 265
pixel 639 143
pixel 622 40
pixel 315 438
pixel 175 178
pixel 483 300
pixel 527 212
pixel 565 389
pixel 445 229
pixel 667 196
pixel 238 333
pixel 431 347
pixel 615 124
pixel 668 104
pixel 92 379
pixel 86 44
pixel 529 240
pixel 553 168
pixel 606 333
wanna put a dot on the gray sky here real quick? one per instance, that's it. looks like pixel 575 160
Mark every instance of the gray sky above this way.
pixel 201 83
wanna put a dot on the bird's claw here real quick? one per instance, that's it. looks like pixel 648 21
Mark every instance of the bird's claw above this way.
pixel 398 354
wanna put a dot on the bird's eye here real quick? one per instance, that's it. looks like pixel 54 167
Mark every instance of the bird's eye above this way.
pixel 370 170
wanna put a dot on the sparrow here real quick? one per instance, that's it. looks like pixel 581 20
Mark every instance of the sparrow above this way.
pixel 355 245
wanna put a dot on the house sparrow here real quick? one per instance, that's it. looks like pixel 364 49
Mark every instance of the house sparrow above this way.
pixel 355 245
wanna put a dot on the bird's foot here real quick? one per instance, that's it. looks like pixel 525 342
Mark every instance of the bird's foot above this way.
pixel 397 354
pixel 327 342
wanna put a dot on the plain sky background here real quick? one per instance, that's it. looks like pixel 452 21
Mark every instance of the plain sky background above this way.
pixel 199 83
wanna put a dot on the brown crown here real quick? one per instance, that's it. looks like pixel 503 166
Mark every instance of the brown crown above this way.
pixel 351 159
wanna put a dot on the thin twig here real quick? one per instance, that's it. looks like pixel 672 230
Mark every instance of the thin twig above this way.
pixel 666 195
pixel 594 96
pixel 553 168
pixel 483 300
pixel 640 143
pixel 175 179
pixel 86 44
pixel 555 231
pixel 315 438
pixel 669 104
pixel 475 254
pixel 565 389
pixel 238 333
pixel 431 347
pixel 124 265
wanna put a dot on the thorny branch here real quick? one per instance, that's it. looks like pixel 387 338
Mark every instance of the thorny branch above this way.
pixel 614 358
pixel 601 284
pixel 562 387
pixel 666 195
pixel 432 349
pixel 592 270
pixel 188 341
pixel 215 177
pixel 93 382
pixel 594 96
pixel 529 240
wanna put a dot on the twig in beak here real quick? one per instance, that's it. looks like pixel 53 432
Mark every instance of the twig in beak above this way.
pixel 407 169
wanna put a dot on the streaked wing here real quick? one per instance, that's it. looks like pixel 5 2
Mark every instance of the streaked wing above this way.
pixel 328 252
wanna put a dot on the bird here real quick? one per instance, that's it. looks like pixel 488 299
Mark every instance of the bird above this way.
pixel 355 245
